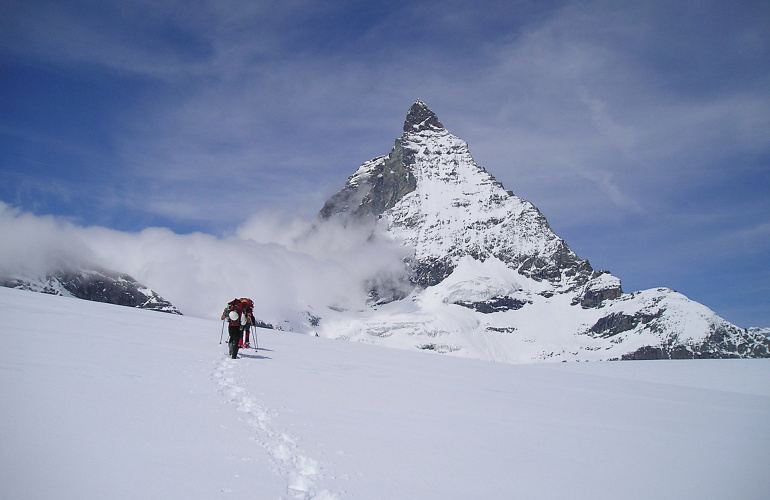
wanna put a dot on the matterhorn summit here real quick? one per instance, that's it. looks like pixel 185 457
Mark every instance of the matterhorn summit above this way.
pixel 490 278
pixel 431 194
pixel 420 117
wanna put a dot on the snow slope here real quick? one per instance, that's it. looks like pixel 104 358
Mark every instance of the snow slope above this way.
pixel 102 401
pixel 542 327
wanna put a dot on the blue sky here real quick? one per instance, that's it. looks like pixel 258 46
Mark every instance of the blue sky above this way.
pixel 640 129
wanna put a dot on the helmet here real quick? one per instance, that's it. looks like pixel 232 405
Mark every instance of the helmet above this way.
pixel 233 315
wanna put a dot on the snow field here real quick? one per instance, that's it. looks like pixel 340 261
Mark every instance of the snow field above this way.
pixel 100 401
pixel 288 460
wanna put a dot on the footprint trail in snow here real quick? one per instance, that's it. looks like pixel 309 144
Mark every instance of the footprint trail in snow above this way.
pixel 300 471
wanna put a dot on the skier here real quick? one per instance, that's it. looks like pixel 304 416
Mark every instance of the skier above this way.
pixel 237 318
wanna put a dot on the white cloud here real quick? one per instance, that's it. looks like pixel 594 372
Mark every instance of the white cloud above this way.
pixel 285 268
pixel 34 245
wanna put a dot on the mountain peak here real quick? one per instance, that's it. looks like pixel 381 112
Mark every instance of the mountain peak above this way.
pixel 420 117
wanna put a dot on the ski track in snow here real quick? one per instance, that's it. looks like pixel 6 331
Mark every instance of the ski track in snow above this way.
pixel 300 471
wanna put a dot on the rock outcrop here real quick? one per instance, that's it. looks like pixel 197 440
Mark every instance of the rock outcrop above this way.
pixel 99 285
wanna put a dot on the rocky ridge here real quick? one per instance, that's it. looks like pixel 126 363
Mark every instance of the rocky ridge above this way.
pixel 430 193
pixel 96 284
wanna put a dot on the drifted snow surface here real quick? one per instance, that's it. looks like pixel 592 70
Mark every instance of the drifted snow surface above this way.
pixel 101 401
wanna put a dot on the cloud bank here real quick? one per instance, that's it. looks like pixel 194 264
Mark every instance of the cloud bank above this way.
pixel 285 266
pixel 34 245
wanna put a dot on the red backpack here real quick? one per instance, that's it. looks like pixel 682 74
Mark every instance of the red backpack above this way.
pixel 236 307
pixel 248 305
pixel 239 306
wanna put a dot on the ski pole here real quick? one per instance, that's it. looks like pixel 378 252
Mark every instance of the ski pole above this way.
pixel 223 332
pixel 256 340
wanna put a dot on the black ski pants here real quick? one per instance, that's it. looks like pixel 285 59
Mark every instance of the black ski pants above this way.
pixel 235 336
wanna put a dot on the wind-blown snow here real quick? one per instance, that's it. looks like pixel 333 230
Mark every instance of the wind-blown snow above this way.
pixel 102 401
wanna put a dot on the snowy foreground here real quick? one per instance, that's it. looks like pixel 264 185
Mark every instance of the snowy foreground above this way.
pixel 100 401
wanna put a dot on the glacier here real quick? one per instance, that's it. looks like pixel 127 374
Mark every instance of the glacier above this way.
pixel 102 401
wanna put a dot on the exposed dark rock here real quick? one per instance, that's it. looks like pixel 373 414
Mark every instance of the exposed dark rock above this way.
pixel 261 324
pixel 371 195
pixel 392 182
pixel 430 272
pixel 341 202
pixel 21 284
pixel 504 329
pixel 99 285
pixel 440 348
pixel 602 286
pixel 313 319
pixel 420 117
pixel 726 341
pixel 616 323
pixel 495 304
pixel 562 263
pixel 594 298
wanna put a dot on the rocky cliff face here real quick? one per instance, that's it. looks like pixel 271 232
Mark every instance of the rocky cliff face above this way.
pixel 430 193
pixel 99 285
pixel 522 293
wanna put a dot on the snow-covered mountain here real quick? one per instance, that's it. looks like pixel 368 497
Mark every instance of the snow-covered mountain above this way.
pixel 431 194
pixel 422 250
pixel 490 279
pixel 97 284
